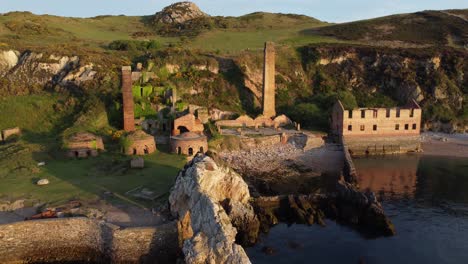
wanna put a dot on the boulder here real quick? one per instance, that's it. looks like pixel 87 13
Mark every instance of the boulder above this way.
pixel 179 13
pixel 137 163
pixel 43 182
pixel 205 228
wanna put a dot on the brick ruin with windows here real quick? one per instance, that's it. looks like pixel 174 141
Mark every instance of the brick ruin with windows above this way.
pixel 378 130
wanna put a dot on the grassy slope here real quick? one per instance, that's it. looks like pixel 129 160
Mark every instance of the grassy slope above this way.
pixel 70 179
pixel 27 31
pixel 428 27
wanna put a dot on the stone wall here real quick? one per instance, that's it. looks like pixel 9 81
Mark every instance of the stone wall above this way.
pixel 127 95
pixel 81 240
pixel 269 72
pixel 181 146
pixel 383 145
pixel 189 122
pixel 349 170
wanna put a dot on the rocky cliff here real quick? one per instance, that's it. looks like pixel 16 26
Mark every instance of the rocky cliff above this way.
pixel 369 76
pixel 206 230
pixel 29 72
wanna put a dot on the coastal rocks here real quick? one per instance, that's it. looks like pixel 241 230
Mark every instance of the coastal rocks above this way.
pixel 8 59
pixel 179 13
pixel 243 218
pixel 204 226
pixel 351 206
pixel 345 204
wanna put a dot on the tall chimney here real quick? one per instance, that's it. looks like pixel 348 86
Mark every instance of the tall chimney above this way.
pixel 127 95
pixel 269 81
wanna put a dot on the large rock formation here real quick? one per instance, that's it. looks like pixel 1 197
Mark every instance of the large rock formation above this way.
pixel 205 228
pixel 28 72
pixel 179 13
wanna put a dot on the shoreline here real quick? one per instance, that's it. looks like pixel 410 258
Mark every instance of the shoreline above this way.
pixel 447 145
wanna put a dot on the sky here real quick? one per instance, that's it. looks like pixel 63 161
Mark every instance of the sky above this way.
pixel 329 10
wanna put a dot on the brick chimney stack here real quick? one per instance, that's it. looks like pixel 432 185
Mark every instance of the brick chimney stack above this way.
pixel 269 80
pixel 127 95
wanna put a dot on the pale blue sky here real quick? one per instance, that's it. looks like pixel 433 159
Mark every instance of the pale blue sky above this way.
pixel 329 10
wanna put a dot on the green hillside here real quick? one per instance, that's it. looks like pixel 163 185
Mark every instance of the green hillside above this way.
pixel 429 28
pixel 24 30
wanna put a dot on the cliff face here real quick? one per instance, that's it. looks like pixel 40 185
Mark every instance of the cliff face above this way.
pixel 206 229
pixel 29 72
pixel 371 76
pixel 436 78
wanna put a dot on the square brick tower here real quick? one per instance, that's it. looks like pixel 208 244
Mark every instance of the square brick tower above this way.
pixel 127 95
pixel 269 81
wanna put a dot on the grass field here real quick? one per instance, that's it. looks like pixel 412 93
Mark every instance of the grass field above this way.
pixel 85 179
pixel 82 179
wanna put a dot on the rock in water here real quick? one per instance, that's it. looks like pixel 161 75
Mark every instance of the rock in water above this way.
pixel 42 182
pixel 179 13
pixel 205 228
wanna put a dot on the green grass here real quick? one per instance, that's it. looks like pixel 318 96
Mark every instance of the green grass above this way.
pixel 83 179
pixel 32 113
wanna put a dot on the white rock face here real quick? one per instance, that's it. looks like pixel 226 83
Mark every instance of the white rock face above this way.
pixel 8 60
pixel 43 182
pixel 179 13
pixel 198 191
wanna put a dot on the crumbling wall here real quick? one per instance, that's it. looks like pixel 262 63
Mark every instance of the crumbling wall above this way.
pixel 383 145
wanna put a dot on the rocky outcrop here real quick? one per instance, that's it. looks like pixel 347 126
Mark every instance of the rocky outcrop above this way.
pixel 8 60
pixel 30 71
pixel 179 13
pixel 346 204
pixel 205 228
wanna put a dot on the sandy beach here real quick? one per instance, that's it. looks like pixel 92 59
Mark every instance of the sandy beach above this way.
pixel 440 144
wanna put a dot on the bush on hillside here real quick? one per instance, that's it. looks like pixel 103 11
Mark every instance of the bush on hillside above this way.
pixel 134 45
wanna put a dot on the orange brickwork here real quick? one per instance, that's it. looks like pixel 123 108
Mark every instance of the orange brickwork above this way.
pixel 127 95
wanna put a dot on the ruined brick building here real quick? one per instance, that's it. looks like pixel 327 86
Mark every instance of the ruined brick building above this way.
pixel 138 142
pixel 187 123
pixel 378 130
pixel 187 136
pixel 83 145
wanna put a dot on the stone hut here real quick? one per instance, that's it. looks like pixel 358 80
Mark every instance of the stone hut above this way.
pixel 189 143
pixel 187 123
pixel 83 145
pixel 139 143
